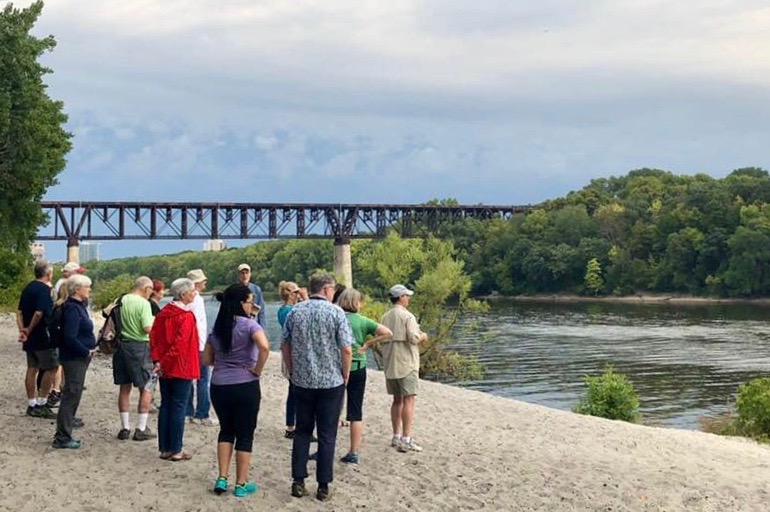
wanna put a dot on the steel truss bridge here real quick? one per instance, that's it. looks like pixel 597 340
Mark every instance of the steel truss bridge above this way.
pixel 73 221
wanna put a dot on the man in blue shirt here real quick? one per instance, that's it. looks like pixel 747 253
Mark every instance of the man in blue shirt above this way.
pixel 244 278
pixel 316 349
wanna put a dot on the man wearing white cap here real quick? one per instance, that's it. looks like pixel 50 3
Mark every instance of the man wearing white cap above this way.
pixel 244 278
pixel 401 356
pixel 200 413
pixel 69 269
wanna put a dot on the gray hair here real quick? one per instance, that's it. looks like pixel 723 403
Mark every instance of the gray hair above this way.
pixel 350 300
pixel 319 281
pixel 142 282
pixel 179 287
pixel 42 269
pixel 77 281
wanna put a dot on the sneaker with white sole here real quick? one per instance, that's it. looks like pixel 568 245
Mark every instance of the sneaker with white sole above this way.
pixel 394 441
pixel 209 422
pixel 408 446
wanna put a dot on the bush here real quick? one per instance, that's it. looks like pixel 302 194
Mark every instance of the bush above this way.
pixel 753 407
pixel 107 290
pixel 610 396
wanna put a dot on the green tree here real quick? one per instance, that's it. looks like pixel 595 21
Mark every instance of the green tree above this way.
pixel 33 142
pixel 593 279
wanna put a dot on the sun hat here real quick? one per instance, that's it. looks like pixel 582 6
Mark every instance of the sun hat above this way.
pixel 197 276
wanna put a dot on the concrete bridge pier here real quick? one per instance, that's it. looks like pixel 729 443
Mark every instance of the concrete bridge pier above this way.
pixel 73 250
pixel 343 268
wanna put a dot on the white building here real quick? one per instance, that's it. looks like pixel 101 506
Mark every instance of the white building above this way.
pixel 214 245
pixel 89 251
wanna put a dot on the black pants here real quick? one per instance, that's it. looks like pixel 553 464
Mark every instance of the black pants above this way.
pixel 319 408
pixel 356 388
pixel 74 378
pixel 237 407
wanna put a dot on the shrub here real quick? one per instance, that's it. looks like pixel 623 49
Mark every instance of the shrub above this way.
pixel 753 407
pixel 610 396
pixel 107 290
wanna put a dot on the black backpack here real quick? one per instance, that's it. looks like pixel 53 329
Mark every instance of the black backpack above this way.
pixel 111 333
pixel 56 326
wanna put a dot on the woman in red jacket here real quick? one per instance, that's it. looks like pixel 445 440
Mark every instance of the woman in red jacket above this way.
pixel 174 350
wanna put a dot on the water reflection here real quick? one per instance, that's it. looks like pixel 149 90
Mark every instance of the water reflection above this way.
pixel 685 361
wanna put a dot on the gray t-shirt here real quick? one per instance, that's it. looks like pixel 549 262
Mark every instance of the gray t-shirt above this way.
pixel 234 367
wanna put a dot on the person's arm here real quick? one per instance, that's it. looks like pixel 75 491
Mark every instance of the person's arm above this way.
pixel 260 299
pixel 346 355
pixel 147 318
pixel 71 320
pixel 345 341
pixel 35 320
pixel 260 340
pixel 20 324
pixel 208 355
pixel 413 333
pixel 381 333
pixel 286 353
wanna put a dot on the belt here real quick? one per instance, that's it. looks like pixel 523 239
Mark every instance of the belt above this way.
pixel 357 365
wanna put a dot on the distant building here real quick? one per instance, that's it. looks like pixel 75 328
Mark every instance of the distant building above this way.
pixel 38 250
pixel 214 245
pixel 89 251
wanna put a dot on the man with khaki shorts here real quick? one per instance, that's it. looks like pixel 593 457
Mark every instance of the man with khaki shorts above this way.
pixel 401 356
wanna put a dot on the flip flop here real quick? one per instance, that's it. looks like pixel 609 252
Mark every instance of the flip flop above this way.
pixel 181 457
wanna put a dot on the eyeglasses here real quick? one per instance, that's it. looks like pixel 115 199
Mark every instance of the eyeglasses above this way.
pixel 244 271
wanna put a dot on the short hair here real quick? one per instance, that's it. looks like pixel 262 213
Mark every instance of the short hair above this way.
pixel 320 281
pixel 350 300
pixel 394 300
pixel 285 289
pixel 77 281
pixel 42 269
pixel 180 286
pixel 142 282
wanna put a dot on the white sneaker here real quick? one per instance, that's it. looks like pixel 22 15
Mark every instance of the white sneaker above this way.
pixel 410 446
pixel 209 422
pixel 394 441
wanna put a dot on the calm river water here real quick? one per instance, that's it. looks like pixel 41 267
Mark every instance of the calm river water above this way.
pixel 684 361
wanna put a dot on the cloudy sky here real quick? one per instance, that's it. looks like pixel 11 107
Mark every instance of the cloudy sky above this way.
pixel 491 101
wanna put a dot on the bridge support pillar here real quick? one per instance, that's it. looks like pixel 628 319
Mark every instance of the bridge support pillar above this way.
pixel 343 268
pixel 73 251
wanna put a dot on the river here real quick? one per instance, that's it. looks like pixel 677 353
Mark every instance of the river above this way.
pixel 685 362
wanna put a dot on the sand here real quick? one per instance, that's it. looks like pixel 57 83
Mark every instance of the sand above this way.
pixel 481 453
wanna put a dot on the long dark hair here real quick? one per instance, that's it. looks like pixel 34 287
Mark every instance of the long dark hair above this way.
pixel 229 308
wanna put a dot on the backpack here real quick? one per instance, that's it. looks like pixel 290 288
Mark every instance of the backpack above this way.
pixel 110 335
pixel 56 326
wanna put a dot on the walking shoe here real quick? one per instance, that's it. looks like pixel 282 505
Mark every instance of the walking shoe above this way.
pixel 53 399
pixel 408 446
pixel 220 487
pixel 323 494
pixel 72 444
pixel 243 490
pixel 32 411
pixel 313 456
pixel 77 423
pixel 43 411
pixel 298 489
pixel 124 434
pixel 394 441
pixel 144 435
pixel 289 434
pixel 209 422
pixel 350 458
pixel 195 421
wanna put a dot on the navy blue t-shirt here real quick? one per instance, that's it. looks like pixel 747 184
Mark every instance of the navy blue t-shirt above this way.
pixel 36 296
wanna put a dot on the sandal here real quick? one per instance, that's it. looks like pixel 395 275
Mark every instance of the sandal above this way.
pixel 180 457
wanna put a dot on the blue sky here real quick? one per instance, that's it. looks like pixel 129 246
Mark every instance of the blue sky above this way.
pixel 500 101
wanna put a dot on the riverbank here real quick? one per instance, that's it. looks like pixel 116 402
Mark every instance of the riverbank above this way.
pixel 481 453
pixel 683 300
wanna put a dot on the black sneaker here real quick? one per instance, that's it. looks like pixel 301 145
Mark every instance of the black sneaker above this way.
pixel 323 494
pixel 77 423
pixel 124 434
pixel 298 489
pixel 144 435
pixel 53 399
pixel 43 411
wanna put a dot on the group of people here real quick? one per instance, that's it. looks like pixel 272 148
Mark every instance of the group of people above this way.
pixel 324 348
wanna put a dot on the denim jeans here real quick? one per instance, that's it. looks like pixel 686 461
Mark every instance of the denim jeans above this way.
pixel 74 378
pixel 202 393
pixel 291 407
pixel 319 408
pixel 174 394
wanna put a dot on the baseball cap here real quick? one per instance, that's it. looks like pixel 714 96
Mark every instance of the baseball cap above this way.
pixel 197 276
pixel 399 290
pixel 244 266
pixel 70 267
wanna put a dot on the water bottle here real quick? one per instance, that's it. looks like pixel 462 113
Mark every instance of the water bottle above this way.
pixel 152 383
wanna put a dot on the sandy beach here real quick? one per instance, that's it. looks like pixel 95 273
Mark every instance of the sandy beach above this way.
pixel 481 453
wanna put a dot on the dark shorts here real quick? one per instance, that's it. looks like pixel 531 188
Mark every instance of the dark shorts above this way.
pixel 355 388
pixel 43 359
pixel 403 387
pixel 131 364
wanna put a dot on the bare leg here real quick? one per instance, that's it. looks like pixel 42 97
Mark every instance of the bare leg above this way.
pixel 48 377
pixel 30 383
pixel 124 397
pixel 242 466
pixel 395 414
pixel 145 397
pixel 57 381
pixel 407 414
pixel 224 454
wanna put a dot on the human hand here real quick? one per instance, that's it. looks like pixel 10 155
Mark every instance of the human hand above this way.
pixel 22 335
pixel 361 350
pixel 303 294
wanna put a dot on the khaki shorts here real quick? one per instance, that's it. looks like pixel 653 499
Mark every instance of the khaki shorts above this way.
pixel 43 359
pixel 403 387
